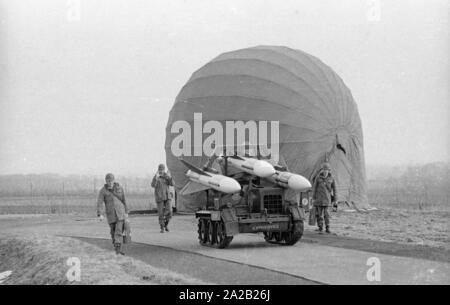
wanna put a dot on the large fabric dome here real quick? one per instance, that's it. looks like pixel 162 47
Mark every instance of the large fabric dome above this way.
pixel 318 118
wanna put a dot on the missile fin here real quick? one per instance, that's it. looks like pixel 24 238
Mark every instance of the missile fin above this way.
pixel 280 168
pixel 193 187
pixel 194 168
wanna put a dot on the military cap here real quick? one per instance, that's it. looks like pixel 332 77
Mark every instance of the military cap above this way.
pixel 109 176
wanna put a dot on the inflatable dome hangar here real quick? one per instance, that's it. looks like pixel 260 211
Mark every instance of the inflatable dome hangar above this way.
pixel 318 117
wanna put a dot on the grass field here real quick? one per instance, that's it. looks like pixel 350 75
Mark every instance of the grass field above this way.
pixel 42 260
pixel 411 198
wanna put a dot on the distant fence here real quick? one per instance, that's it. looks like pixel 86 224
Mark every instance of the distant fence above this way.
pixel 67 204
pixel 54 194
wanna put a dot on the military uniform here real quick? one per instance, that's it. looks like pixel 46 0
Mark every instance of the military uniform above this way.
pixel 161 184
pixel 324 190
pixel 115 210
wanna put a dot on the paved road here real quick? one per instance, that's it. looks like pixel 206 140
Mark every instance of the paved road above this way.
pixel 207 269
pixel 322 259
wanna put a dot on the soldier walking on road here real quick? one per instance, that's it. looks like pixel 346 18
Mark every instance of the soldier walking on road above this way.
pixel 324 194
pixel 161 182
pixel 116 210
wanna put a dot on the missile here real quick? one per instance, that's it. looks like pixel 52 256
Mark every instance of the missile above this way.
pixel 208 180
pixel 290 180
pixel 252 166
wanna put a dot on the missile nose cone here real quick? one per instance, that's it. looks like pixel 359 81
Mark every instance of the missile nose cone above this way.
pixel 229 185
pixel 298 183
pixel 263 169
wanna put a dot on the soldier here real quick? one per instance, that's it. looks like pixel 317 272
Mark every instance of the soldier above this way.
pixel 324 192
pixel 161 182
pixel 116 210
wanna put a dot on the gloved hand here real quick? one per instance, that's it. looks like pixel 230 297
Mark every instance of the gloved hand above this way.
pixel 335 206
pixel 100 217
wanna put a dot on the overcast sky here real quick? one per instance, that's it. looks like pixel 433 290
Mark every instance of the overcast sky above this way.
pixel 89 90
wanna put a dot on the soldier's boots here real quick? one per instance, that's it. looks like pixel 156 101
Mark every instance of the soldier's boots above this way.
pixel 162 230
pixel 166 225
pixel 118 249
pixel 320 230
pixel 327 229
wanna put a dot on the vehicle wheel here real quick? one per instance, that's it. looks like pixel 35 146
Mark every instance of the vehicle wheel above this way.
pixel 212 228
pixel 293 236
pixel 222 239
pixel 202 231
pixel 268 236
pixel 278 236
